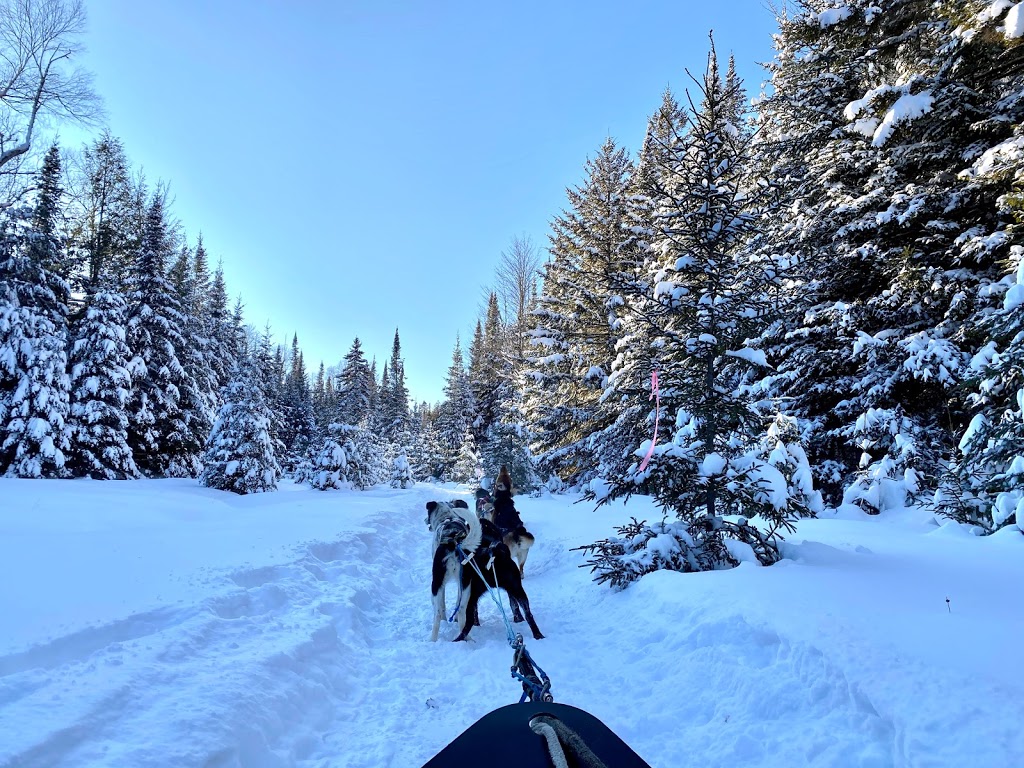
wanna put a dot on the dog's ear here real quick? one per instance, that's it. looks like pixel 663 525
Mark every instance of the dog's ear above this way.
pixel 431 506
pixel 460 503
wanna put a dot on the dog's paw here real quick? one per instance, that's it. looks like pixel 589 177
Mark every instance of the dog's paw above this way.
pixel 538 636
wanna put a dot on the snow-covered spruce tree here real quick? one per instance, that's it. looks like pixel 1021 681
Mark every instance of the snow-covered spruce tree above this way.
pixel 431 460
pixel 695 323
pixel 986 487
pixel 348 457
pixel 240 454
pixel 508 442
pixel 354 388
pixel 573 343
pixel 326 466
pixel 401 471
pixel 222 350
pixel 392 413
pixel 34 387
pixel 270 362
pixel 489 371
pixel 100 386
pixel 624 405
pixel 159 434
pixel 198 396
pixel 297 401
pixel 455 414
pixel 467 467
pixel 879 110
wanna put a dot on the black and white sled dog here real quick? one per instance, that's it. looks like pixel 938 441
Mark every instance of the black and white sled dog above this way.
pixel 480 541
pixel 452 524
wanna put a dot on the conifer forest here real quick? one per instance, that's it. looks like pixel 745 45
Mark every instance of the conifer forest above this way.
pixel 824 275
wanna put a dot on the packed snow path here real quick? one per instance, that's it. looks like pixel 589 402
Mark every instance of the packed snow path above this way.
pixel 319 655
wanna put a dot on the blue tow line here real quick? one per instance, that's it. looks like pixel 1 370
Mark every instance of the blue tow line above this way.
pixel 536 683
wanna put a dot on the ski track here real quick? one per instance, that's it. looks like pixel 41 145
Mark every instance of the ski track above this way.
pixel 325 661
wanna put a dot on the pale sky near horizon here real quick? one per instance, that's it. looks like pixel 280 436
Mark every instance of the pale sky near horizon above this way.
pixel 360 166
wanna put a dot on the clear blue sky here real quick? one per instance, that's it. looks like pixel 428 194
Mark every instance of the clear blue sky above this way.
pixel 360 165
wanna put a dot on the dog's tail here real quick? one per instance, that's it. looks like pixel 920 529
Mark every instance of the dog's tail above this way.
pixel 525 538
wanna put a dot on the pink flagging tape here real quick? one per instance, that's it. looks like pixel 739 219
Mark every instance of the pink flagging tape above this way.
pixel 655 396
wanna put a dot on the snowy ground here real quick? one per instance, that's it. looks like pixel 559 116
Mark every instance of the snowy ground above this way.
pixel 157 623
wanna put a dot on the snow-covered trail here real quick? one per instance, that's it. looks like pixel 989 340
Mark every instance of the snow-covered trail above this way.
pixel 318 655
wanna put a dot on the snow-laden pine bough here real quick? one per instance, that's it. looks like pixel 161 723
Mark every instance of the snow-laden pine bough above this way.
pixel 536 731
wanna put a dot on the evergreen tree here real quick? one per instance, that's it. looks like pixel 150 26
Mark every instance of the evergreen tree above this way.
pixel 240 454
pixel 34 398
pixel 875 113
pixel 222 350
pixel 508 441
pixel 395 403
pixel 159 434
pixel 401 471
pixel 298 406
pixel 576 334
pixel 467 467
pixel 107 228
pixel 100 387
pixel 625 404
pixel 198 389
pixel 354 387
pixel 695 320
pixel 489 371
pixel 456 412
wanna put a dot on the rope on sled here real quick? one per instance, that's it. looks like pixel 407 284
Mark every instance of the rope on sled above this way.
pixel 536 683
pixel 560 740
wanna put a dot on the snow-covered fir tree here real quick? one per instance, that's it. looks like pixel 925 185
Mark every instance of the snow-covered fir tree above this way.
pixel 693 324
pixel 489 369
pixel 624 407
pixel 34 387
pixel 468 467
pixel 392 412
pixel 456 412
pixel 348 457
pixel 878 115
pixel 159 433
pixel 508 443
pixel 100 387
pixel 573 344
pixel 240 454
pixel 401 471
pixel 197 391
pixel 354 388
pixel 222 348
pixel 297 403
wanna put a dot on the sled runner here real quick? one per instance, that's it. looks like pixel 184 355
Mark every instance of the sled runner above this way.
pixel 532 735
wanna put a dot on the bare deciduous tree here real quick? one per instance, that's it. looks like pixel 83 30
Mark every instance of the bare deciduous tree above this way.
pixel 517 275
pixel 38 43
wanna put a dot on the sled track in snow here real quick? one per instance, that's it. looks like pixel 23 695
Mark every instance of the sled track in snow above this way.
pixel 325 661
pixel 262 665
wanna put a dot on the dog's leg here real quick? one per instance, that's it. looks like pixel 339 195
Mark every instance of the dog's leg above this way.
pixel 522 561
pixel 517 597
pixel 467 609
pixel 517 614
pixel 439 571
